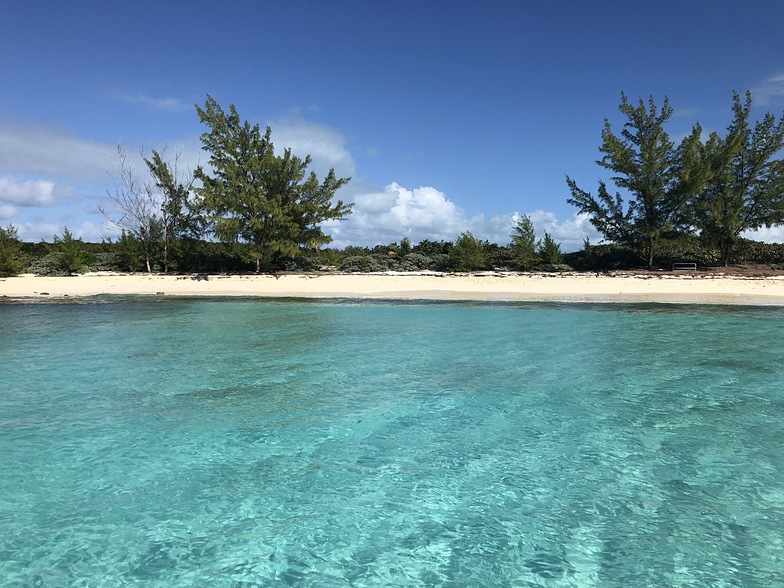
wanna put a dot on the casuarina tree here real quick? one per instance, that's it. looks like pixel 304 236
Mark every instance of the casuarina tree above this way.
pixel 251 195
pixel 656 175
pixel 745 190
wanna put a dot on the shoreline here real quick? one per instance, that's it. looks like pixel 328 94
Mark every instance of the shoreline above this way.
pixel 483 286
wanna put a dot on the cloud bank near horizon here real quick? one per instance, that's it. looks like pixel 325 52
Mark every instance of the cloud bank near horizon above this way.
pixel 384 217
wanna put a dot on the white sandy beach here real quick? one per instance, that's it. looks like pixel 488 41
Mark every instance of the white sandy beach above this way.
pixel 573 287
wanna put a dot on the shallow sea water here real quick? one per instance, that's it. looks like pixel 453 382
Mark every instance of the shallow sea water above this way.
pixel 239 443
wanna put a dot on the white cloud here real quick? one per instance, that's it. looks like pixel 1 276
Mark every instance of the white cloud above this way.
pixel 88 231
pixel 43 151
pixel 27 192
pixel 771 87
pixel 382 217
pixel 397 212
pixel 7 212
pixel 326 146
pixel 570 233
pixel 774 234
pixel 162 103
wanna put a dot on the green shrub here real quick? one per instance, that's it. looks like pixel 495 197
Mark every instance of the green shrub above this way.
pixel 12 259
pixel 468 254
pixel 48 265
pixel 413 262
pixel 556 268
pixel 71 256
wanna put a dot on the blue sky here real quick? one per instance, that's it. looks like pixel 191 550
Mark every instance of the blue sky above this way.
pixel 449 116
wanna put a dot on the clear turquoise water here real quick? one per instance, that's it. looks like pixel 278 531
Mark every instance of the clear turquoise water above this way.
pixel 242 443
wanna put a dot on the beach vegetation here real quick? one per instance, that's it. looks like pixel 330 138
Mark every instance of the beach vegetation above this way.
pixel 469 254
pixel 523 245
pixel 526 253
pixel 134 206
pixel 71 254
pixel 432 248
pixel 251 208
pixel 129 253
pixel 656 175
pixel 65 256
pixel 249 194
pixel 12 258
pixel 549 251
pixel 745 186
pixel 714 190
pixel 178 222
pixel 368 263
pixel 405 246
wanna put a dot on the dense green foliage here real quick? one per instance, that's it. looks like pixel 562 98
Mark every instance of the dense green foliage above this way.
pixel 251 195
pixel 745 184
pixel 12 259
pixel 655 174
pixel 549 251
pixel 717 189
pixel 469 254
pixel 179 221
pixel 71 256
pixel 523 244
pixel 125 254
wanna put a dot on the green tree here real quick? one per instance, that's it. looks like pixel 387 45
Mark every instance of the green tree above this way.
pixel 432 248
pixel 657 176
pixel 71 255
pixel 523 245
pixel 745 189
pixel 178 218
pixel 468 254
pixel 257 197
pixel 12 260
pixel 549 251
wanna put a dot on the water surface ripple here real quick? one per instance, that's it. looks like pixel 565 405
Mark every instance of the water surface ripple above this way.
pixel 240 443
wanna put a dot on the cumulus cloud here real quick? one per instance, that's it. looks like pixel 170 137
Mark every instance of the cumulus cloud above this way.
pixel 326 146
pixel 382 217
pixel 27 192
pixel 387 216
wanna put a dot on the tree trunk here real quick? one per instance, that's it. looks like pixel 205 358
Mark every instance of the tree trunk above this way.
pixel 650 253
pixel 165 249
pixel 725 252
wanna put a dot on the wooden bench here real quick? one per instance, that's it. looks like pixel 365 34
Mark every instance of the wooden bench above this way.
pixel 684 267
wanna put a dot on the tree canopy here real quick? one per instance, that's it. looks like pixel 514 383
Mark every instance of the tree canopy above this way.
pixel 254 196
pixel 655 174
pixel 745 184
pixel 523 244
pixel 177 217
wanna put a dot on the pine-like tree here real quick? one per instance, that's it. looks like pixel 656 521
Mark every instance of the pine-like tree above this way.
pixel 523 245
pixel 252 195
pixel 178 219
pixel 650 169
pixel 745 190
